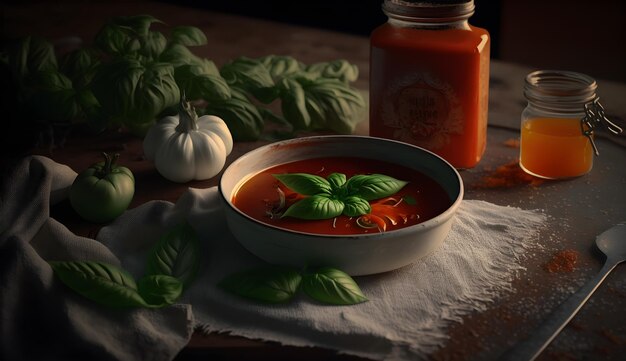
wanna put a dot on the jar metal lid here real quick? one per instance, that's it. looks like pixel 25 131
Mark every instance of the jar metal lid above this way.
pixel 432 11
pixel 560 90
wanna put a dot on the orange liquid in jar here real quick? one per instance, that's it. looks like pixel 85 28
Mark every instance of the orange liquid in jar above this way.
pixel 555 148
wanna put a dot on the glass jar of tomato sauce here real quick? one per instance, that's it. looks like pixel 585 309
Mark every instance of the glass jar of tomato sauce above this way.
pixel 429 78
pixel 553 143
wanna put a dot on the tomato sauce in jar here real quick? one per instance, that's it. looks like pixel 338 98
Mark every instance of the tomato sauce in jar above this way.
pixel 429 79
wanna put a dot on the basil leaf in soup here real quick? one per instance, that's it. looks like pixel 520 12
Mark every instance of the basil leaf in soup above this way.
pixel 315 207
pixel 356 206
pixel 330 285
pixel 336 180
pixel 305 184
pixel 374 186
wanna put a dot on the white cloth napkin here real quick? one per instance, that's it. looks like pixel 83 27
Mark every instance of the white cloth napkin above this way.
pixel 408 309
pixel 41 319
pixel 405 318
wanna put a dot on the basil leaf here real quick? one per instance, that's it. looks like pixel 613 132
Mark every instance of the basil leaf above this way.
pixel 176 254
pixel 116 40
pixel 178 54
pixel 159 290
pixel 315 207
pixel 188 35
pixel 80 66
pixel 100 282
pixel 330 285
pixel 53 97
pixel 328 103
pixel 336 180
pixel 133 94
pixel 140 24
pixel 153 45
pixel 281 66
pixel 356 206
pixel 33 54
pixel 374 186
pixel 305 184
pixel 338 69
pixel 242 118
pixel 51 80
pixel 198 83
pixel 293 104
pixel 333 105
pixel 268 284
pixel 114 85
pixel 247 73
pixel 252 76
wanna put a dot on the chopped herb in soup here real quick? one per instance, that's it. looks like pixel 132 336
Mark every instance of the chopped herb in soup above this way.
pixel 341 195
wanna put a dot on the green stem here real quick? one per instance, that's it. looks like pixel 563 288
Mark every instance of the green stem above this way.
pixel 187 117
pixel 109 162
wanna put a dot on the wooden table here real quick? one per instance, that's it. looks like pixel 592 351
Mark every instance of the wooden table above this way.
pixel 579 209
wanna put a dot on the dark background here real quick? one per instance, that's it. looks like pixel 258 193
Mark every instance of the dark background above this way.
pixel 581 35
pixel 357 17
pixel 584 36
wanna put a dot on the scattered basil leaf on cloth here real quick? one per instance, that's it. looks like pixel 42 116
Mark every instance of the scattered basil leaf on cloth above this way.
pixel 267 284
pixel 172 266
pixel 100 282
pixel 159 290
pixel 330 285
pixel 176 255
pixel 274 284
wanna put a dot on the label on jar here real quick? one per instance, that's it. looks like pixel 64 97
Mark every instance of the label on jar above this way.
pixel 422 110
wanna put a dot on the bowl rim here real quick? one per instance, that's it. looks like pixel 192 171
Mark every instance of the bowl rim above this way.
pixel 431 223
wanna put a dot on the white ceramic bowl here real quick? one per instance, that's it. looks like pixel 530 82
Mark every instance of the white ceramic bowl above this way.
pixel 355 254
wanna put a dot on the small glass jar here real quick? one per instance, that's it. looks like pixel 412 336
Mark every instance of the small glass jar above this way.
pixel 429 78
pixel 553 144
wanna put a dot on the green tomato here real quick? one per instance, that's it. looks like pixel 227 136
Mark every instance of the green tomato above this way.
pixel 103 191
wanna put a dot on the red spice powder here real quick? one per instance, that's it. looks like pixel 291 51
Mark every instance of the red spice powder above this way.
pixel 511 143
pixel 562 261
pixel 507 176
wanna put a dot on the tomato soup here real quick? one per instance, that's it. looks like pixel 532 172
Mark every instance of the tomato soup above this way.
pixel 419 200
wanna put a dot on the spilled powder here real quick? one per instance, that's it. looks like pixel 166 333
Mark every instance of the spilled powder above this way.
pixel 511 143
pixel 562 261
pixel 507 176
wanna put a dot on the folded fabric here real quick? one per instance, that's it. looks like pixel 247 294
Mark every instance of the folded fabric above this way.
pixel 408 309
pixel 41 318
pixel 406 317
